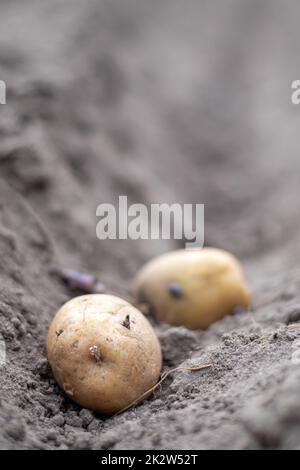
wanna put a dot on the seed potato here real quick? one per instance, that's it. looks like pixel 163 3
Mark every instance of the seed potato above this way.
pixel 194 287
pixel 103 352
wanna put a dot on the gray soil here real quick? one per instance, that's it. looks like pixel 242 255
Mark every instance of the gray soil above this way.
pixel 163 101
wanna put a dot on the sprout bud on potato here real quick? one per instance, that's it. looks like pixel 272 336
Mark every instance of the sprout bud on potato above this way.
pixel 103 352
pixel 193 287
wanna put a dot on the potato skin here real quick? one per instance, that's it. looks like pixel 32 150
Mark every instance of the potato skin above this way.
pixel 193 287
pixel 126 361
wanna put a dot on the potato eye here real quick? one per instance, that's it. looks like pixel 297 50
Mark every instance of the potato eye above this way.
pixel 175 290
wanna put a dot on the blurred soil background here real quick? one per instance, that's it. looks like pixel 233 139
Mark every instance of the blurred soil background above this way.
pixel 163 101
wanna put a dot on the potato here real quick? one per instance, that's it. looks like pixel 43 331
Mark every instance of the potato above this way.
pixel 103 352
pixel 194 287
